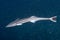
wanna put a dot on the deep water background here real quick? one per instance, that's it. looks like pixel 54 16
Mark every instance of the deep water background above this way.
pixel 41 30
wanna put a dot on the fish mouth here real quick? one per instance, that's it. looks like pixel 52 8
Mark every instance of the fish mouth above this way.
pixel 11 25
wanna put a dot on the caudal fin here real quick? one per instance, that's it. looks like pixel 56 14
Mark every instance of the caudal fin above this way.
pixel 53 18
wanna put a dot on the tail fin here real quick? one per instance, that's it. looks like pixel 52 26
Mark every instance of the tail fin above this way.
pixel 53 18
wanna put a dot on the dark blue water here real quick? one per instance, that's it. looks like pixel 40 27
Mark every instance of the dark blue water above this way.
pixel 41 30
